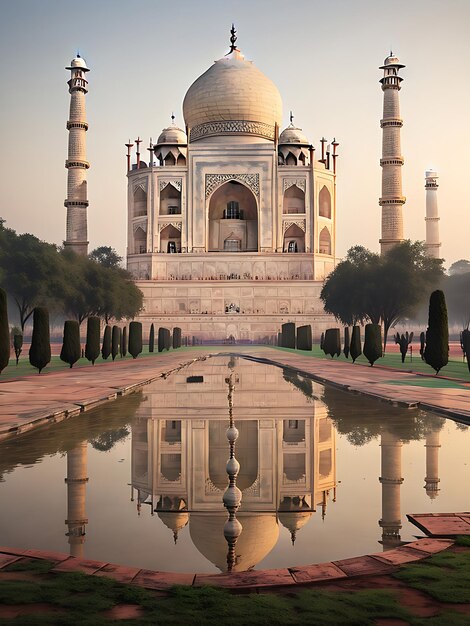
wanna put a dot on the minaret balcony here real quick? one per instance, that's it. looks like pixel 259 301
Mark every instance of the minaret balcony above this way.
pixel 391 121
pixel 392 200
pixel 77 163
pixel 396 160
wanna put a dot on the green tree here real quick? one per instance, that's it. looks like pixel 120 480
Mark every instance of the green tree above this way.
pixel 40 350
pixel 71 348
pixel 124 342
pixel 92 346
pixel 115 341
pixel 382 289
pixel 466 345
pixel 347 342
pixel 457 293
pixel 372 343
pixel 106 256
pixel 288 335
pixel 135 339
pixel 4 331
pixel 18 345
pixel 106 347
pixel 459 267
pixel 152 338
pixel 176 337
pixel 355 348
pixel 436 352
pixel 304 337
pixel 332 342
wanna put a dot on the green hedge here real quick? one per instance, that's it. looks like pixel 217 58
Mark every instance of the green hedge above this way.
pixel 71 349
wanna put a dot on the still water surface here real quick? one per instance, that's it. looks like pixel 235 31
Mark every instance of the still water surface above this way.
pixel 324 475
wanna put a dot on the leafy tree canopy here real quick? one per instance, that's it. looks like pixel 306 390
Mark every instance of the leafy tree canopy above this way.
pixel 106 256
pixel 459 267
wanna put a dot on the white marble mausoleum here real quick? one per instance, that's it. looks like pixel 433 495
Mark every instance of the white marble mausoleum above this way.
pixel 232 223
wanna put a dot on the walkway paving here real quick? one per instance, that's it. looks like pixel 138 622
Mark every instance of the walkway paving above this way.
pixel 36 400
pixel 253 580
pixel 442 524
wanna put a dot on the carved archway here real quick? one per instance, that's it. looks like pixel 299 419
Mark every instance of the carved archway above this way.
pixel 325 241
pixel 232 214
pixel 294 200
pixel 324 203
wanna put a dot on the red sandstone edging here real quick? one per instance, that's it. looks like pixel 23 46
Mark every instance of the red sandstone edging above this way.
pixel 442 524
pixel 367 565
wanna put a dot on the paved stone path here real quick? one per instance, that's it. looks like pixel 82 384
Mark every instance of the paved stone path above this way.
pixel 373 564
pixel 36 400
pixel 442 524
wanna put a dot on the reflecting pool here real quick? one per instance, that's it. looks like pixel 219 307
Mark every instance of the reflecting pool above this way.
pixel 323 474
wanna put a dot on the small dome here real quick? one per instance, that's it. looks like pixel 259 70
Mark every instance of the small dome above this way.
pixel 293 135
pixel 232 97
pixel 391 60
pixel 78 63
pixel 173 136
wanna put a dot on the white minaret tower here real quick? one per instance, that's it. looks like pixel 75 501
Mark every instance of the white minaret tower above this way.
pixel 76 230
pixel 391 162
pixel 433 245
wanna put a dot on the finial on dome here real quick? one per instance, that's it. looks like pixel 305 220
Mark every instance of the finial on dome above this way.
pixel 293 535
pixel 172 118
pixel 233 38
pixel 291 117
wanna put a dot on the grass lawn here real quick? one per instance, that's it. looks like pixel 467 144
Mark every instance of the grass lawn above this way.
pixel 454 369
pixel 80 599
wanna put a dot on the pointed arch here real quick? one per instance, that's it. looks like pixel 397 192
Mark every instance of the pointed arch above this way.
pixel 325 241
pixel 294 239
pixel 324 203
pixel 294 200
pixel 170 200
pixel 140 241
pixel 170 239
pixel 169 159
pixel 291 159
pixel 140 202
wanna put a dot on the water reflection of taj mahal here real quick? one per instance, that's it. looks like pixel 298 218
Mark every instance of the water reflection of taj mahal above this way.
pixel 286 456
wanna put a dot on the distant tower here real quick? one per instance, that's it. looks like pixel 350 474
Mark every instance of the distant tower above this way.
pixel 76 231
pixel 391 162
pixel 433 245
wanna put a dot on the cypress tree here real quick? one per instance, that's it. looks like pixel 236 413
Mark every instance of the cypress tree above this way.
pixel 466 345
pixel 288 335
pixel 115 341
pixel 124 342
pixel 40 350
pixel 71 348
pixel 18 345
pixel 135 339
pixel 161 339
pixel 304 337
pixel 176 337
pixel 322 341
pixel 92 346
pixel 106 347
pixel 332 342
pixel 4 331
pixel 121 335
pixel 152 339
pixel 167 339
pixel 279 339
pixel 355 347
pixel 347 342
pixel 404 341
pixel 436 352
pixel 373 343
pixel 422 344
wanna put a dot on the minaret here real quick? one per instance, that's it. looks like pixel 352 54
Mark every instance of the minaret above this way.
pixel 433 245
pixel 76 482
pixel 432 463
pixel 391 162
pixel 391 481
pixel 76 230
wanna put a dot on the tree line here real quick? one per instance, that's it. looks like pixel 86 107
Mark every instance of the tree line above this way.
pixel 35 273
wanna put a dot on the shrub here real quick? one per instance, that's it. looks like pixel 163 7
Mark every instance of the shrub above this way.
pixel 18 345
pixel 322 341
pixel 92 346
pixel 71 348
pixel 115 336
pixel 124 342
pixel 466 345
pixel 106 347
pixel 40 350
pixel 279 339
pixel 4 331
pixel 135 339
pixel 355 347
pixel 304 337
pixel 347 342
pixel 332 342
pixel 176 337
pixel 288 335
pixel 167 339
pixel 436 352
pixel 373 343
pixel 404 341
pixel 152 338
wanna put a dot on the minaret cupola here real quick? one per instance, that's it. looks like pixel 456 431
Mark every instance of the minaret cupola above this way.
pixel 172 145
pixel 293 146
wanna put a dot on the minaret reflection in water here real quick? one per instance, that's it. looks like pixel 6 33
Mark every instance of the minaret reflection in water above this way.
pixel 76 482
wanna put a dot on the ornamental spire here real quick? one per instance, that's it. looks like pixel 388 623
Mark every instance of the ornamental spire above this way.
pixel 233 38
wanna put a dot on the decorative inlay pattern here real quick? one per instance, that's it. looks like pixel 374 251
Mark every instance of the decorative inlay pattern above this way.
pixel 298 182
pixel 216 180
pixel 163 225
pixel 176 182
pixel 288 224
pixel 211 488
pixel 231 127
pixel 140 182
pixel 140 224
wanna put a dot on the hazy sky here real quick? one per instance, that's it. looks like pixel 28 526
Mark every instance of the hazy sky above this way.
pixel 323 56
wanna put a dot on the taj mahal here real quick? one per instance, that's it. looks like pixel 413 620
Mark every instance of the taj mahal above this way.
pixel 231 221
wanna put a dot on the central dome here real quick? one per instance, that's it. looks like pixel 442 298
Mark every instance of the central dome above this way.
pixel 232 97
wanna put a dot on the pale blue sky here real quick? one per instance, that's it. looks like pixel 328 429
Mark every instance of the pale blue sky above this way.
pixel 323 56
